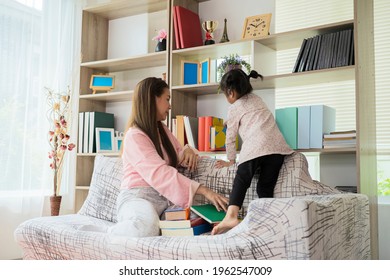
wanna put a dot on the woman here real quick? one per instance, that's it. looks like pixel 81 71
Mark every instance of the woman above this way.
pixel 150 156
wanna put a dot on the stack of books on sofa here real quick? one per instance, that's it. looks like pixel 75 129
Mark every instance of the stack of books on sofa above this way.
pixel 179 222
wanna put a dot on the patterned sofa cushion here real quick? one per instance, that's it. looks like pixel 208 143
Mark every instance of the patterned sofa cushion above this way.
pixel 104 189
pixel 294 179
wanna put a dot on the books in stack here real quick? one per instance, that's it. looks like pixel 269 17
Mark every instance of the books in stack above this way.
pixel 190 227
pixel 178 223
pixel 340 139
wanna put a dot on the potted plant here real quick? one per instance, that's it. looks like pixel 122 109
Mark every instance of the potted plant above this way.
pixel 232 61
pixel 58 138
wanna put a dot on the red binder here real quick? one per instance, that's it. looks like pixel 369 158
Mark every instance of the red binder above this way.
pixel 190 32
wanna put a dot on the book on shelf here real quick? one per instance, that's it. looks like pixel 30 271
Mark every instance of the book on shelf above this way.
pixel 177 213
pixel 201 133
pixel 299 57
pixel 176 28
pixel 189 27
pixel 86 133
pixel 305 55
pixel 351 189
pixel 80 133
pixel 217 138
pixel 180 130
pixel 98 119
pixel 191 130
pixel 210 121
pixel 190 231
pixel 344 132
pixel 208 212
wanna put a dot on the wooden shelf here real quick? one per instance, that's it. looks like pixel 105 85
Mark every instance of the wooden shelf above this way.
pixel 114 96
pixel 329 151
pixel 125 8
pixel 280 81
pixel 128 63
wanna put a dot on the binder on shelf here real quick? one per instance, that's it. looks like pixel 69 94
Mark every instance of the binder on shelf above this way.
pixel 299 57
pixel 312 51
pixel 86 132
pixel 322 121
pixel 201 134
pixel 303 127
pixel 190 32
pixel 98 119
pixel 287 121
pixel 81 133
pixel 305 55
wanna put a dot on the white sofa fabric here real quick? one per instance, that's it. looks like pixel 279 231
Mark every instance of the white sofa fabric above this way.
pixel 305 220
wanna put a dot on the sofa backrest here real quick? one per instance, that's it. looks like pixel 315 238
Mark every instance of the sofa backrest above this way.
pixel 294 180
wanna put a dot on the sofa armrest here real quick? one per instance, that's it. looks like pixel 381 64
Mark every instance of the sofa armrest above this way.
pixel 332 226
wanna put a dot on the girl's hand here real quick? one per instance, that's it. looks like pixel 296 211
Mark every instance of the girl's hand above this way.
pixel 189 159
pixel 222 163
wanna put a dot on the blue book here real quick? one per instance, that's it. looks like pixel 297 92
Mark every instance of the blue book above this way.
pixel 287 121
pixel 322 121
pixel 304 127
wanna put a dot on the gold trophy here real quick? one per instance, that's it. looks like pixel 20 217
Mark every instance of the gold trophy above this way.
pixel 209 26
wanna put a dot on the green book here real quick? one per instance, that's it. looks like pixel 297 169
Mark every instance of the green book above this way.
pixel 209 213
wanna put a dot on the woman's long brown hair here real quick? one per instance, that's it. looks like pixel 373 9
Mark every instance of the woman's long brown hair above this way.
pixel 144 116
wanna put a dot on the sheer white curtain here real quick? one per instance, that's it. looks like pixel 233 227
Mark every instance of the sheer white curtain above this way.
pixel 39 47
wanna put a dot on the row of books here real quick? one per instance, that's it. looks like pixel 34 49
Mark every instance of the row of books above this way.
pixel 340 139
pixel 187 28
pixel 205 133
pixel 303 127
pixel 196 220
pixel 88 122
pixel 326 51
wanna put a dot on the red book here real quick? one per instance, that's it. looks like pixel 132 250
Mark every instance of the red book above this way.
pixel 201 136
pixel 175 26
pixel 190 31
pixel 209 122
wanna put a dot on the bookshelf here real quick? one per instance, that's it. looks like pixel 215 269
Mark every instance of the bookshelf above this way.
pixel 262 53
pixel 99 56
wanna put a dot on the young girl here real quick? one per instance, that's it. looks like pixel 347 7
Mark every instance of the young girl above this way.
pixel 263 145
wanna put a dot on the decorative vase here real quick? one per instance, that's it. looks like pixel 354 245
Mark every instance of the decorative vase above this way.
pixel 161 45
pixel 55 204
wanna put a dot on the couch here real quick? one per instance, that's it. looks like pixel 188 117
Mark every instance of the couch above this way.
pixel 304 220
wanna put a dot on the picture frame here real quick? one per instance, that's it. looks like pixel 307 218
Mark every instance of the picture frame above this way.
pixel 256 26
pixel 204 71
pixel 105 140
pixel 189 72
pixel 102 83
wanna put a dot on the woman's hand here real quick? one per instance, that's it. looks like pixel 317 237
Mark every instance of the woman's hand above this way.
pixel 189 159
pixel 219 201
pixel 222 163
